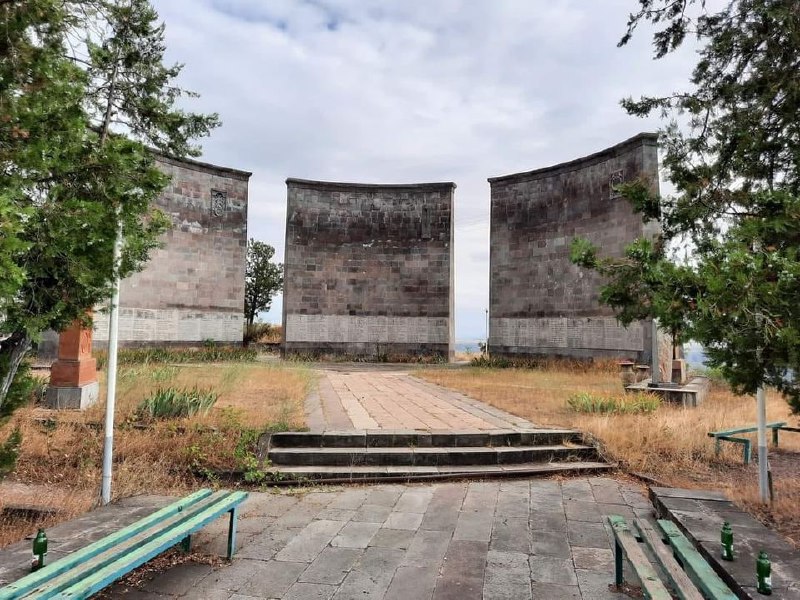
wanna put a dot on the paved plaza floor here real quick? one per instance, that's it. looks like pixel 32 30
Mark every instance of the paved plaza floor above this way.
pixel 511 539
pixel 372 397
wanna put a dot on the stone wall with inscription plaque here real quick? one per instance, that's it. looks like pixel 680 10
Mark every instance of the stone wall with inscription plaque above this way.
pixel 369 268
pixel 193 287
pixel 540 303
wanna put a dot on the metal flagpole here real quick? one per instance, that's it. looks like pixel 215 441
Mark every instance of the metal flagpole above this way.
pixel 763 460
pixel 761 410
pixel 655 369
pixel 487 331
pixel 111 387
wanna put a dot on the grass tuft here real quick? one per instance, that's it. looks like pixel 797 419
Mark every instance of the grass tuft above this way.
pixel 207 354
pixel 173 403
pixel 586 402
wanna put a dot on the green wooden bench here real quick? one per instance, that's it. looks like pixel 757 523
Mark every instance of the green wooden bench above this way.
pixel 689 575
pixel 90 569
pixel 727 435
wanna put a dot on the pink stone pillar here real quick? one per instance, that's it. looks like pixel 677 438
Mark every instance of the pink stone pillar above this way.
pixel 73 377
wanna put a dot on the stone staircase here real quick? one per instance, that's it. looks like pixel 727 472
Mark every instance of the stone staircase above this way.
pixel 424 455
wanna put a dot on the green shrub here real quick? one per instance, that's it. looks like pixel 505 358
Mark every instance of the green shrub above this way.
pixel 174 403
pixel 587 402
pixel 25 388
pixel 379 357
pixel 9 452
pixel 208 353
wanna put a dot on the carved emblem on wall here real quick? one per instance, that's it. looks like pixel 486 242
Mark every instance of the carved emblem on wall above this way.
pixel 616 178
pixel 219 202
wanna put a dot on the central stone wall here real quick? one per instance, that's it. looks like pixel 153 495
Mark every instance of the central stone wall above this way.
pixel 369 268
pixel 540 303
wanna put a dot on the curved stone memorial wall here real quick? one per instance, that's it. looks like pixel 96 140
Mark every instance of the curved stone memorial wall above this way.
pixel 192 289
pixel 369 268
pixel 540 303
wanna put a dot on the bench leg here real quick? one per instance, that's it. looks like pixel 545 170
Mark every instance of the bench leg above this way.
pixel 716 446
pixel 186 544
pixel 775 436
pixel 232 532
pixel 747 452
pixel 618 558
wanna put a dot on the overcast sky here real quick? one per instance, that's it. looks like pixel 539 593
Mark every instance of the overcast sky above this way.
pixel 395 91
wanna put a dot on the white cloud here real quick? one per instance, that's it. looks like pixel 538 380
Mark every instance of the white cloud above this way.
pixel 411 91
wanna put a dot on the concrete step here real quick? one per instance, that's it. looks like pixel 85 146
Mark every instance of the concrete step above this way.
pixel 295 474
pixel 434 456
pixel 382 438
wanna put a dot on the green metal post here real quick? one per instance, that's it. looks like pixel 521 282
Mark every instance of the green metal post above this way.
pixel 618 564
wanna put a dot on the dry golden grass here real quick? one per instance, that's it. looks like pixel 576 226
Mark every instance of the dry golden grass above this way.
pixel 63 450
pixel 670 444
pixel 273 336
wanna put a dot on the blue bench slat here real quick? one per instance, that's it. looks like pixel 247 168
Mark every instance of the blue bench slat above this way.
pixel 699 571
pixel 176 524
pixel 103 577
pixel 47 573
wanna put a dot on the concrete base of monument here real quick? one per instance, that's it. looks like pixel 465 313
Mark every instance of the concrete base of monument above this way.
pixel 689 395
pixel 74 398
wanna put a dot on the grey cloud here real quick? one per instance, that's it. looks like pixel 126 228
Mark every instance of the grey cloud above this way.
pixel 411 90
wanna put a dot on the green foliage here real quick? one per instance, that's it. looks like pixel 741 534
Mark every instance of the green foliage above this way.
pixel 246 456
pixel 25 389
pixel 587 402
pixel 9 452
pixel 262 279
pixel 731 149
pixel 146 356
pixel 163 374
pixel 380 356
pixel 84 92
pixel 174 403
pixel 503 362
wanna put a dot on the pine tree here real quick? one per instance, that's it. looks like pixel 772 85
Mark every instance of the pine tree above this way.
pixel 732 150
pixel 77 122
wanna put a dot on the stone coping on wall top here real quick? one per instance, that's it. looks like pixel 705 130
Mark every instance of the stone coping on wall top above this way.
pixel 342 186
pixel 644 138
pixel 189 163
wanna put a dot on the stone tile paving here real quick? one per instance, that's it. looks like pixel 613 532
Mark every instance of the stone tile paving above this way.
pixel 512 539
pixel 394 399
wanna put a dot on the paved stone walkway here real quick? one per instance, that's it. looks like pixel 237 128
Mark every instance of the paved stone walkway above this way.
pixel 372 398
pixel 514 539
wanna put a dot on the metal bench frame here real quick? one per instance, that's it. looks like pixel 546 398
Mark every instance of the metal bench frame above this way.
pixel 96 566
pixel 689 574
pixel 727 435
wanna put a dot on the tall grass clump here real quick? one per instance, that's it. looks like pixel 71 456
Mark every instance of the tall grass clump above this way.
pixel 545 363
pixel 208 353
pixel 174 403
pixel 586 402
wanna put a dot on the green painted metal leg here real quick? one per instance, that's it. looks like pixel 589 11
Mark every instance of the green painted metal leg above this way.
pixel 618 576
pixel 747 452
pixel 716 446
pixel 232 532
pixel 186 544
pixel 775 436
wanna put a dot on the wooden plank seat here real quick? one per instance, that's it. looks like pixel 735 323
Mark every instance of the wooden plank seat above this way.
pixel 90 569
pixel 689 576
pixel 728 435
